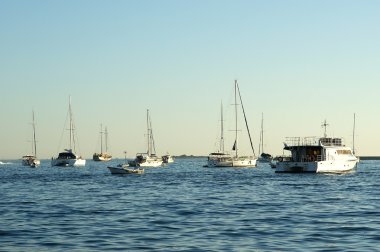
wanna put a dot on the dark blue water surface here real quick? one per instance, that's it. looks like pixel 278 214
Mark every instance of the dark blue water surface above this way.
pixel 186 207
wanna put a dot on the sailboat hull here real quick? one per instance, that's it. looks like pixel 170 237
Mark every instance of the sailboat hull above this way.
pixel 232 162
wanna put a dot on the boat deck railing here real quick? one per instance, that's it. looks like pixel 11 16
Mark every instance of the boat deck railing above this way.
pixel 313 141
pixel 301 141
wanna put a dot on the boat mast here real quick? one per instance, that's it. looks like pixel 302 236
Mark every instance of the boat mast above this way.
pixel 236 117
pixel 353 138
pixel 221 129
pixel 148 132
pixel 34 136
pixel 106 138
pixel 101 138
pixel 245 118
pixel 262 132
pixel 324 125
pixel 71 123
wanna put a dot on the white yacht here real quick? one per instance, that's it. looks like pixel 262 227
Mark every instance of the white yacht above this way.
pixel 31 160
pixel 68 157
pixel 102 156
pixel 223 159
pixel 148 159
pixel 313 154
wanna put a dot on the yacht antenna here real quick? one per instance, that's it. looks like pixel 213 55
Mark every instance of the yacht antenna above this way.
pixel 324 125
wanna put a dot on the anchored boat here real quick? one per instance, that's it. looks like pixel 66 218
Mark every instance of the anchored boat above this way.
pixel 313 154
pixel 223 159
pixel 31 160
pixel 68 156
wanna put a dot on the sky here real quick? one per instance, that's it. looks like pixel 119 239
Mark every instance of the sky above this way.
pixel 297 62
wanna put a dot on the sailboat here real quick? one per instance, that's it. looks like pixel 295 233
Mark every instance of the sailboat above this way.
pixel 68 156
pixel 264 157
pixel 102 156
pixel 31 160
pixel 148 159
pixel 223 159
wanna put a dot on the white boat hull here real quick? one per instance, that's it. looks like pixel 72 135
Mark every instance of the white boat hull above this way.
pixel 246 162
pixel 68 162
pixel 30 161
pixel 151 163
pixel 328 166
pixel 101 157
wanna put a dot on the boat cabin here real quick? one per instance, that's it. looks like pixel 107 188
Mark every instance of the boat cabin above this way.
pixel 66 155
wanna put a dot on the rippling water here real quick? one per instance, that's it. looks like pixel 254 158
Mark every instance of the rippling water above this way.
pixel 185 207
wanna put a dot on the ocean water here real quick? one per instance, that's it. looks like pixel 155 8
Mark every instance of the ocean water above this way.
pixel 186 207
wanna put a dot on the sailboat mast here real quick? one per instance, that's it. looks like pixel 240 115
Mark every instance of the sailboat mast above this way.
pixel 106 138
pixel 236 118
pixel 101 138
pixel 221 129
pixel 262 132
pixel 148 131
pixel 34 137
pixel 71 123
pixel 246 122
pixel 353 138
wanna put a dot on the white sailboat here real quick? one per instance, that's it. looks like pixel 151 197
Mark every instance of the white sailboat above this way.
pixel 313 154
pixel 264 157
pixel 31 160
pixel 102 156
pixel 68 156
pixel 223 159
pixel 148 159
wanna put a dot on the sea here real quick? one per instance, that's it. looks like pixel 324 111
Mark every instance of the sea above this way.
pixel 186 207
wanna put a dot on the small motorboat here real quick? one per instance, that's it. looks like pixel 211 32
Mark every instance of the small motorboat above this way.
pixel 124 169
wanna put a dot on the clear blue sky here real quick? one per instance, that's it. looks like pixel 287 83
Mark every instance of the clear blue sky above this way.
pixel 298 62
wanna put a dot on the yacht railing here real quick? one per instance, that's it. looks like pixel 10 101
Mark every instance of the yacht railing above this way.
pixel 313 141
pixel 301 141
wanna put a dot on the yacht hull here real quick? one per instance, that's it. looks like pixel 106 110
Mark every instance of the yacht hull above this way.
pixel 316 167
pixel 68 162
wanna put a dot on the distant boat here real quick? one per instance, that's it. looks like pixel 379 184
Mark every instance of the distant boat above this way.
pixel 264 157
pixel 31 160
pixel 166 159
pixel 102 156
pixel 124 169
pixel 148 159
pixel 68 156
pixel 313 154
pixel 222 159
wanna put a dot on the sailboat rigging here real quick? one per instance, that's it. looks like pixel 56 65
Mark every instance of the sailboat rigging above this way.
pixel 221 159
pixel 148 159
pixel 102 156
pixel 68 157
pixel 31 160
pixel 264 157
